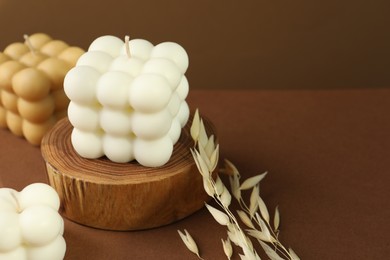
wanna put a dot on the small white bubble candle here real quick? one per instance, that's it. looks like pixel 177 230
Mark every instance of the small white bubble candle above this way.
pixel 30 226
pixel 128 100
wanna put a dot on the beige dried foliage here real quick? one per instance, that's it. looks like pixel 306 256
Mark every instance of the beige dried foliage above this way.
pixel 189 242
pixel 270 251
pixel 208 187
pixel 219 216
pixel 219 186
pixel 293 254
pixel 252 181
pixel 260 235
pixel 226 198
pixel 245 219
pixel 233 234
pixel 195 126
pixel 202 138
pixel 255 216
pixel 200 163
pixel 214 157
pixel 210 145
pixel 253 205
pixel 227 247
pixel 276 219
pixel 263 209
pixel 264 228
pixel 235 186
pixel 230 169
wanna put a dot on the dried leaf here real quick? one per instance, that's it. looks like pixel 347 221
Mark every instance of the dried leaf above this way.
pixel 202 167
pixel 270 252
pixel 210 146
pixel 202 138
pixel 249 243
pixel 208 187
pixel 263 209
pixel 214 158
pixel 195 157
pixel 242 257
pixel 250 254
pixel 195 126
pixel 233 237
pixel 276 219
pixel 245 219
pixel 226 198
pixel 230 169
pixel 252 181
pixel 219 186
pixel 293 255
pixel 204 156
pixel 218 215
pixel 227 248
pixel 235 186
pixel 264 229
pixel 189 242
pixel 233 234
pixel 259 235
pixel 253 201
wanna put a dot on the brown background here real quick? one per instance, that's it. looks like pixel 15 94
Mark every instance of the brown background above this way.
pixel 327 150
pixel 231 43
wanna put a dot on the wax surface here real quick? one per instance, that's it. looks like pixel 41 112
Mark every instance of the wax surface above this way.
pixel 128 107
pixel 30 226
pixel 31 85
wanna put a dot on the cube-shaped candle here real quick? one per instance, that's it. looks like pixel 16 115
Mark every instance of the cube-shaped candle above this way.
pixel 30 226
pixel 128 100
pixel 32 97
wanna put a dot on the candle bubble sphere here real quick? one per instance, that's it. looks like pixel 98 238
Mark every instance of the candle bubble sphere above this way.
pixel 39 225
pixel 116 122
pixel 150 93
pixel 139 48
pixel 38 194
pixel 10 231
pixel 80 84
pixel 109 44
pixel 172 51
pixel 118 148
pixel 83 117
pixel 87 144
pixel 96 59
pixel 112 89
pixel 153 153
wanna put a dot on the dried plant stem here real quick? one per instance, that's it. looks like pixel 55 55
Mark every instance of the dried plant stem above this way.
pixel 205 154
pixel 278 245
pixel 218 199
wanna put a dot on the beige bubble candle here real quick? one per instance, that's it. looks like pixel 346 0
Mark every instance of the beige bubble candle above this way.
pixel 32 72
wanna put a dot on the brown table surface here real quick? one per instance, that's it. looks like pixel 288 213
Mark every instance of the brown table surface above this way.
pixel 327 153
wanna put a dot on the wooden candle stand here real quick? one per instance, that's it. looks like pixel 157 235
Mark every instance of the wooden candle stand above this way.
pixel 114 196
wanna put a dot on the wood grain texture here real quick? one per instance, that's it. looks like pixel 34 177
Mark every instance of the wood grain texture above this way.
pixel 114 196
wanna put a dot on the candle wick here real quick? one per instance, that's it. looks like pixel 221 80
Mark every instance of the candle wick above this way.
pixel 28 43
pixel 127 45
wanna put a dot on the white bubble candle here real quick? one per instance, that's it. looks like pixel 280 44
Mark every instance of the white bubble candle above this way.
pixel 30 226
pixel 128 100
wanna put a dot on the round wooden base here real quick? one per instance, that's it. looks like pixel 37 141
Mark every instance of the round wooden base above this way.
pixel 114 196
